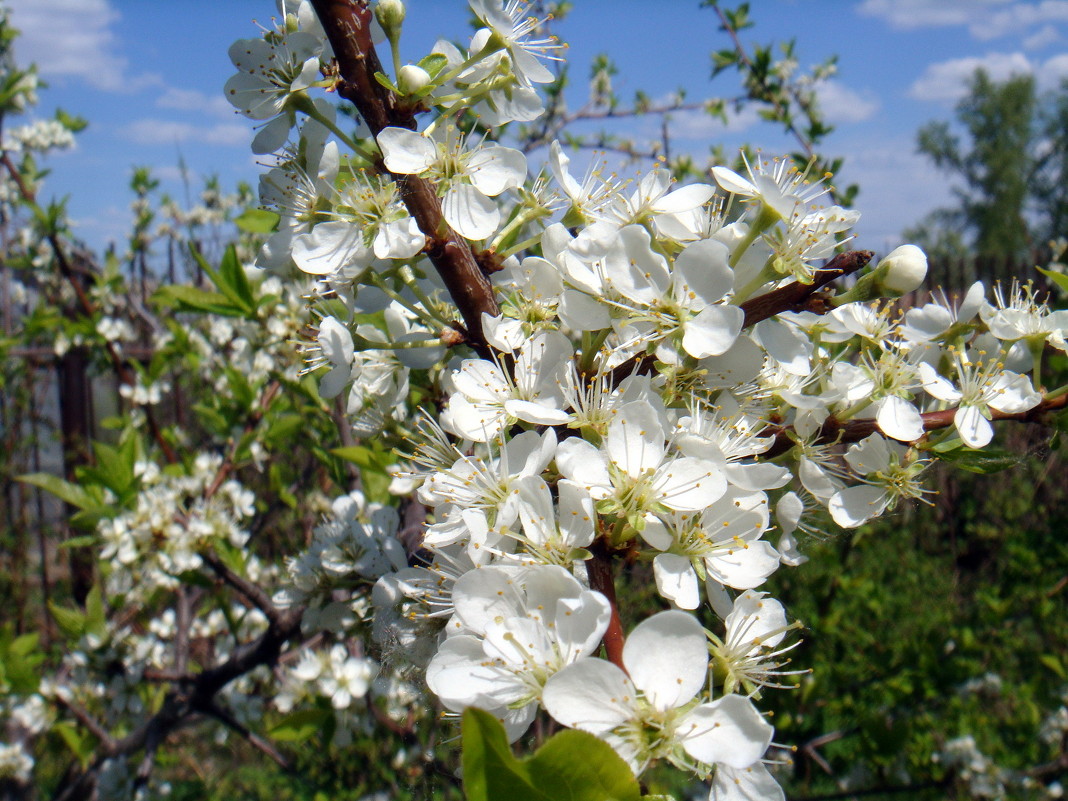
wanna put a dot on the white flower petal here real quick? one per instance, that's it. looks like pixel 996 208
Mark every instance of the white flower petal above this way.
pixel 899 419
pixel 753 783
pixel 469 212
pixel 684 198
pixel 667 657
pixel 712 331
pixel 676 580
pixel 973 427
pixel 732 182
pixel 729 731
pixel 938 386
pixel 493 169
pixel 701 273
pixel 635 441
pixel 745 567
pixel 591 694
pixel 406 152
pixel 689 484
pixel 854 506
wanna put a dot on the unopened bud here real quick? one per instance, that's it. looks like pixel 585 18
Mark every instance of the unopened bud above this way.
pixel 390 15
pixel 411 78
pixel 906 267
pixel 901 272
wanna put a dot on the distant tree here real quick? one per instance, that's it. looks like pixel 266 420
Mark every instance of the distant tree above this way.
pixel 995 166
pixel 1050 183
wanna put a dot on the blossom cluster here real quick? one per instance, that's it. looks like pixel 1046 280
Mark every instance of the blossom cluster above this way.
pixel 632 392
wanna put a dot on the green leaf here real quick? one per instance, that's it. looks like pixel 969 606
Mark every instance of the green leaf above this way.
pixel 383 79
pixel 284 426
pixel 70 621
pixel 571 766
pixel 233 281
pixel 114 466
pixel 188 298
pixel 81 744
pixel 300 725
pixel 19 662
pixel 258 221
pixel 1053 663
pixel 576 765
pixel 64 490
pixel 991 460
pixel 433 64
pixel 357 454
pixel 1060 279
pixel 229 279
pixel 95 621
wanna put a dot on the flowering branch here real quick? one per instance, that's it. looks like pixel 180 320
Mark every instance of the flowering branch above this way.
pixel 801 296
pixel 348 25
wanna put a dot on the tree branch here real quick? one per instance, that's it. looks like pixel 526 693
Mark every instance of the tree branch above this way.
pixel 799 296
pixel 348 27
pixel 602 580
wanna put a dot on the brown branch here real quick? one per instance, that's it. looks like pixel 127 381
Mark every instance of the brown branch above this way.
pixel 252 592
pixel 181 704
pixel 348 27
pixel 82 716
pixel 799 296
pixel 602 580
pixel 404 730
pixel 590 112
pixel 257 742
pixel 834 431
pixel 253 420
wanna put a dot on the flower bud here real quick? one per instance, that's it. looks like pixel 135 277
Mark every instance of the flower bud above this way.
pixel 905 268
pixel 901 272
pixel 390 15
pixel 411 78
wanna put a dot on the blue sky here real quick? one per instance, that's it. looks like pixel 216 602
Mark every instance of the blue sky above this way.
pixel 148 76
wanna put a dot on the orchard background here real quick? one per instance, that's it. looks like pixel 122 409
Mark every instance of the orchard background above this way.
pixel 200 494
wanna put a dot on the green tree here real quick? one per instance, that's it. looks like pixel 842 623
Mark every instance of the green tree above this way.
pixel 1050 184
pixel 995 165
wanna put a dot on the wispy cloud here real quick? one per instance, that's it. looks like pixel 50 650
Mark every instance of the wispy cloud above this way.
pixel 194 100
pixel 74 38
pixel 984 19
pixel 913 14
pixel 947 81
pixel 840 104
pixel 155 131
pixel 1043 37
pixel 899 187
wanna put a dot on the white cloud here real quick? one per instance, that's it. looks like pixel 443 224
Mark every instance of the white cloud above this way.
pixel 702 125
pixel 1043 37
pixel 154 132
pixel 840 104
pixel 898 188
pixel 193 100
pixel 947 81
pixel 984 19
pixel 1053 71
pixel 74 38
pixel 1021 16
pixel 912 14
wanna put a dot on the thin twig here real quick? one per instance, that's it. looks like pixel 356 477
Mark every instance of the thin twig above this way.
pixel 253 739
